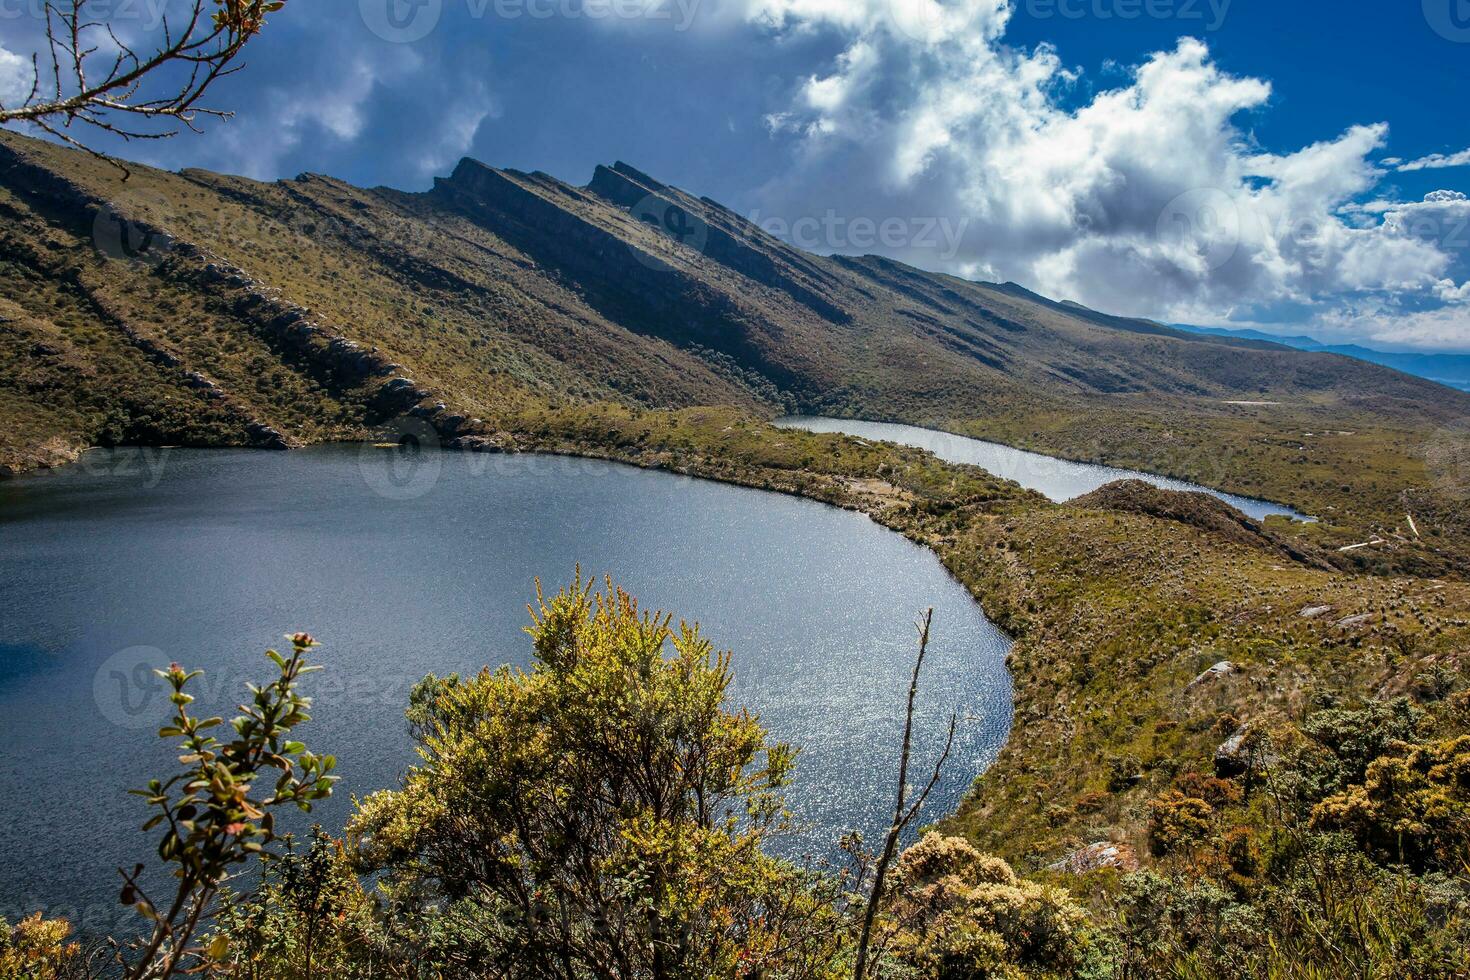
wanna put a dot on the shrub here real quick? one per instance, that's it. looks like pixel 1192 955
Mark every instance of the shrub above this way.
pixel 1413 806
pixel 36 949
pixel 1091 803
pixel 957 914
pixel 1177 821
pixel 1165 921
pixel 1213 790
pixel 310 916
pixel 603 815
pixel 1356 738
pixel 219 811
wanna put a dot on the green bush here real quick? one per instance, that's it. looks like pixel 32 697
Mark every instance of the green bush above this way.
pixel 957 914
pixel 309 916
pixel 602 815
pixel 1413 806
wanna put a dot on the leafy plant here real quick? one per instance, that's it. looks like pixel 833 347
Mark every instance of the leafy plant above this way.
pixel 37 949
pixel 220 811
pixel 1413 806
pixel 603 815
pixel 1177 821
pixel 957 914
pixel 310 916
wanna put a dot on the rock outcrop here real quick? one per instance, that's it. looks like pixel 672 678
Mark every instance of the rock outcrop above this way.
pixel 1095 857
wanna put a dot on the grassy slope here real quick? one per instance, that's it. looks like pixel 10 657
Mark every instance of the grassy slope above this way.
pixel 505 293
pixel 1113 613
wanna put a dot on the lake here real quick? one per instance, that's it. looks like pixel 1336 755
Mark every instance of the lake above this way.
pixel 406 565
pixel 1057 479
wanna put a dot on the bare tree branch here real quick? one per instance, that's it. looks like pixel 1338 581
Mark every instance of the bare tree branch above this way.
pixel 903 811
pixel 84 85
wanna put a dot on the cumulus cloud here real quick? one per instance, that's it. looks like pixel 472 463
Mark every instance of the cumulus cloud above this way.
pixel 1437 161
pixel 321 113
pixel 332 108
pixel 1150 199
pixel 15 78
pixel 1380 322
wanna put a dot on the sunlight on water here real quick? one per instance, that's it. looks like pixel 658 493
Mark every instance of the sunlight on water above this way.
pixel 403 568
pixel 1058 479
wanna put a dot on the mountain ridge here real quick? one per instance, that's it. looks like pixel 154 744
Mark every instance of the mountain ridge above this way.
pixel 203 309
pixel 1451 369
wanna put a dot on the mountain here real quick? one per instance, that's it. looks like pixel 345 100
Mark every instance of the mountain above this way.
pixel 1451 370
pixel 203 309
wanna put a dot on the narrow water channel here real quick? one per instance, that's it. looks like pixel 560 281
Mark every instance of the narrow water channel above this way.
pixel 1058 479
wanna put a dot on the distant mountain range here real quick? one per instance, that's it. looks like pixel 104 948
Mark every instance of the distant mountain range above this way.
pixel 203 309
pixel 1452 370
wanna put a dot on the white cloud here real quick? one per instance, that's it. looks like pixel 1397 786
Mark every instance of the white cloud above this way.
pixel 256 144
pixel 1150 199
pixel 1438 161
pixel 15 78
pixel 337 109
pixel 1443 329
pixel 458 126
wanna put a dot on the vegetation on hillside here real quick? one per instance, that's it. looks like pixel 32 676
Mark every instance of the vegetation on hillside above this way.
pixel 609 814
pixel 1242 748
pixel 202 308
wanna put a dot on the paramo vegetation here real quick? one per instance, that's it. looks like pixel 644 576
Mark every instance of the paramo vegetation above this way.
pixel 608 814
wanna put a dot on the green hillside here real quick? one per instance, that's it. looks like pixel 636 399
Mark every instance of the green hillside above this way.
pixel 201 309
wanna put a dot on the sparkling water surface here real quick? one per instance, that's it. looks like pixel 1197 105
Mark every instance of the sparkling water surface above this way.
pixel 406 565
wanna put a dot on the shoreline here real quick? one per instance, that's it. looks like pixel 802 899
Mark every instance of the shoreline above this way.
pixel 1110 612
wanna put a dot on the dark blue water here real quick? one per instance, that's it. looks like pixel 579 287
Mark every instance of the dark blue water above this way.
pixel 135 559
pixel 1057 479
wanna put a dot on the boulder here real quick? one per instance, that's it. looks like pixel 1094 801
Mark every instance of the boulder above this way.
pixel 1093 857
pixel 263 436
pixel 1222 669
pixel 476 444
pixel 1231 759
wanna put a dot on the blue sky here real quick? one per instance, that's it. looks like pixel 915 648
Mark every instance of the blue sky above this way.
pixel 1229 162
